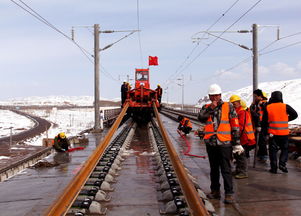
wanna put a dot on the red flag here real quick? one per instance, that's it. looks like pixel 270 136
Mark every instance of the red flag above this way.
pixel 152 60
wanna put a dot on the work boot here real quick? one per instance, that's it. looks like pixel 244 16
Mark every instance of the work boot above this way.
pixel 273 171
pixel 283 169
pixel 214 195
pixel 241 176
pixel 229 199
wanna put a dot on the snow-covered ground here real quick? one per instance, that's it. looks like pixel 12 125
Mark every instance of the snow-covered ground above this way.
pixel 71 121
pixel 15 121
pixel 291 90
pixel 53 101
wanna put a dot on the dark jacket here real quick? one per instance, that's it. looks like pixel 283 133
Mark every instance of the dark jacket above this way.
pixel 124 88
pixel 276 97
pixel 255 112
pixel 61 145
pixel 159 91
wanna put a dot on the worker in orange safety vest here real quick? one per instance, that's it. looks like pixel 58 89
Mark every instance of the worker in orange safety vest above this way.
pixel 221 136
pixel 247 137
pixel 185 125
pixel 275 129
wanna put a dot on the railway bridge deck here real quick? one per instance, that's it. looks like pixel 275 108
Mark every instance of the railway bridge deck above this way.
pixel 34 190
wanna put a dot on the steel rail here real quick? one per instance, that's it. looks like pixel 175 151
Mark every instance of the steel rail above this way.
pixel 67 197
pixel 195 204
pixel 174 116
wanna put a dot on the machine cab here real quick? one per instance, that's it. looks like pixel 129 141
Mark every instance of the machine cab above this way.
pixel 142 78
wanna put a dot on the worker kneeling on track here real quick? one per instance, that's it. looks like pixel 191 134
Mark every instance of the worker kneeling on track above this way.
pixel 185 125
pixel 61 143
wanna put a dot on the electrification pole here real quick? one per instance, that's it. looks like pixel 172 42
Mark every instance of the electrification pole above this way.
pixel 255 56
pixel 182 92
pixel 96 66
pixel 96 77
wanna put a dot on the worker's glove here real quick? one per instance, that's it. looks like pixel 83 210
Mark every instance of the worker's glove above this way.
pixel 238 149
pixel 258 129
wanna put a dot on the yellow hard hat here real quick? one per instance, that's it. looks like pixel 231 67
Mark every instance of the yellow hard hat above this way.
pixel 62 135
pixel 158 85
pixel 243 104
pixel 265 94
pixel 234 98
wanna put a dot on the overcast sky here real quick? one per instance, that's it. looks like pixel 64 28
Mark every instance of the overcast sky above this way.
pixel 36 60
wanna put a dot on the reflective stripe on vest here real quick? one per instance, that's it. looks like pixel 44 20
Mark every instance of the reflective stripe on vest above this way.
pixel 223 132
pixel 248 127
pixel 277 119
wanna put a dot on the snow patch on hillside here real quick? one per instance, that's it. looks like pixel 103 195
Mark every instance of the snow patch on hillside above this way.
pixel 291 90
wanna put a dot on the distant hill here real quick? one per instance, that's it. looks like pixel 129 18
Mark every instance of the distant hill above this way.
pixel 291 90
pixel 58 101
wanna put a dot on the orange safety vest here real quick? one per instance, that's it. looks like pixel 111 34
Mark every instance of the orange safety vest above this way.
pixel 261 109
pixel 223 132
pixel 188 124
pixel 248 126
pixel 277 119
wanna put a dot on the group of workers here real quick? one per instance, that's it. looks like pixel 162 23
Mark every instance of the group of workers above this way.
pixel 125 87
pixel 232 129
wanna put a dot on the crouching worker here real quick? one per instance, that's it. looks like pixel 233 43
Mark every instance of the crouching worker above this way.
pixel 185 125
pixel 61 143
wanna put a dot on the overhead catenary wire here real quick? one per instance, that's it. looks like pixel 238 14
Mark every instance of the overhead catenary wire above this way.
pixel 218 37
pixel 280 48
pixel 35 14
pixel 139 36
pixel 264 48
pixel 194 48
pixel 250 57
pixel 43 20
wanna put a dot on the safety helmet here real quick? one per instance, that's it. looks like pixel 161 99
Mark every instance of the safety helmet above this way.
pixel 265 94
pixel 158 85
pixel 243 104
pixel 234 98
pixel 214 89
pixel 62 135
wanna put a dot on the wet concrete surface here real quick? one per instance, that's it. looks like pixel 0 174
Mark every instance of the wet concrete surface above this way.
pixel 32 191
pixel 262 193
pixel 16 152
pixel 135 191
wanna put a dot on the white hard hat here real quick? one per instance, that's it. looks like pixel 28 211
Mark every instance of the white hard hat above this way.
pixel 214 89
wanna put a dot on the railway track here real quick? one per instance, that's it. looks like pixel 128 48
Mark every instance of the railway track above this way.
pixel 173 114
pixel 40 126
pixel 112 180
